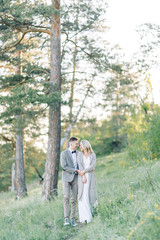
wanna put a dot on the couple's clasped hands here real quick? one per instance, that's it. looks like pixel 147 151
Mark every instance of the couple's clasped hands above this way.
pixel 82 174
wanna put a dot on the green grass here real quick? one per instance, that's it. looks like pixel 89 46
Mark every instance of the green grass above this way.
pixel 126 209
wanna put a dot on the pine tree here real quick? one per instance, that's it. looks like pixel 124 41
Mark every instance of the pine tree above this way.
pixel 81 47
pixel 19 104
pixel 29 21
pixel 120 98
pixel 53 150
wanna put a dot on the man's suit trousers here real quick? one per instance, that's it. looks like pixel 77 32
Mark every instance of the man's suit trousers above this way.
pixel 70 187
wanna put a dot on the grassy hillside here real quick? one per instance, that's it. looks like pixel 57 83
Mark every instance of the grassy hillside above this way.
pixel 129 207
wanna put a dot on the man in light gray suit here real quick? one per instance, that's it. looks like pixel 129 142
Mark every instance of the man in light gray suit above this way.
pixel 70 179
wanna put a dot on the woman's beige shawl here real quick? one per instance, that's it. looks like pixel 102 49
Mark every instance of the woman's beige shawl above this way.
pixel 92 178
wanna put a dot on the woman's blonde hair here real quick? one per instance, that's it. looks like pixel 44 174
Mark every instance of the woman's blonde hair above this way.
pixel 87 146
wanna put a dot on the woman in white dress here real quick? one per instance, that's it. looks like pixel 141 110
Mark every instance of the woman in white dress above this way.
pixel 87 191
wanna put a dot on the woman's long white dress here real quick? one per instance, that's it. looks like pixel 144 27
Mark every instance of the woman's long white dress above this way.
pixel 83 204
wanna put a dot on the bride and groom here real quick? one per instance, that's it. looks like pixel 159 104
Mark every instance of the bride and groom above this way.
pixel 79 179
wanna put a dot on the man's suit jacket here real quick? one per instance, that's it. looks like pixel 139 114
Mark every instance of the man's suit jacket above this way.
pixel 68 169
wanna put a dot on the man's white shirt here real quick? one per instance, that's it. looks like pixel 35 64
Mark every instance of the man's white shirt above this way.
pixel 74 157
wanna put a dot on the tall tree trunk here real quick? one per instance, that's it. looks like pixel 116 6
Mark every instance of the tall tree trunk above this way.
pixel 72 87
pixel 50 184
pixel 73 81
pixel 13 178
pixel 73 77
pixel 20 172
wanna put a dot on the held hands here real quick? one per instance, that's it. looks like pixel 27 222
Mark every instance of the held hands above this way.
pixel 77 171
pixel 81 172
pixel 84 180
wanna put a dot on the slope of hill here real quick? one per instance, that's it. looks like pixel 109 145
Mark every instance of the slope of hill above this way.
pixel 129 207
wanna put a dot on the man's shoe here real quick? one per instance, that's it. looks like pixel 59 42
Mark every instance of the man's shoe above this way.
pixel 66 222
pixel 73 223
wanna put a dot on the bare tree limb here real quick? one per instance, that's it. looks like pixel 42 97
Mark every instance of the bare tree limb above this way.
pixel 74 119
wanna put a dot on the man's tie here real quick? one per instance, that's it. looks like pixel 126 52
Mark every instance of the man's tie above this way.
pixel 74 151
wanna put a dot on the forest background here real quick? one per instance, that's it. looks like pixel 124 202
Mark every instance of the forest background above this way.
pixel 106 97
pixel 75 68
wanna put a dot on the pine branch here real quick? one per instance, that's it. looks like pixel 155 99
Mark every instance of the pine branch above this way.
pixel 88 54
pixel 3 21
pixel 38 69
pixel 24 33
pixel 8 140
pixel 63 45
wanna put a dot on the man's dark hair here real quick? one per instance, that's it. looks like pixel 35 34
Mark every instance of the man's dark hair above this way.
pixel 73 139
